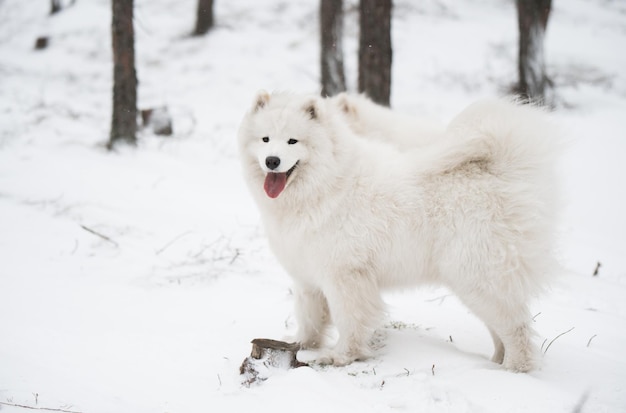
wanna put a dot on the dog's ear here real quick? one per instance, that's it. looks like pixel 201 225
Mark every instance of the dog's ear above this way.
pixel 343 101
pixel 312 109
pixel 260 101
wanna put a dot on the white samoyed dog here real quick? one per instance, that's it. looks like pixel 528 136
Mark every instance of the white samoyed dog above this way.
pixel 348 216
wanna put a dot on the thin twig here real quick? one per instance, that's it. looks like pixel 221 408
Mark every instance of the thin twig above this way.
pixel 441 299
pixel 597 270
pixel 581 403
pixel 234 257
pixel 592 337
pixel 97 234
pixel 38 408
pixel 549 344
pixel 166 246
pixel 206 247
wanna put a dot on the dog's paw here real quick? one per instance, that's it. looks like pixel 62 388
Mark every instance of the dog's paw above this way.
pixel 331 358
pixel 309 344
pixel 305 343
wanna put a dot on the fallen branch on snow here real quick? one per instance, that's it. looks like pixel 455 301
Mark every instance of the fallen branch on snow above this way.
pixel 97 234
pixel 47 409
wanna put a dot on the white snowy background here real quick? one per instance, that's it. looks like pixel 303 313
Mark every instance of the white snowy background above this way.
pixel 158 316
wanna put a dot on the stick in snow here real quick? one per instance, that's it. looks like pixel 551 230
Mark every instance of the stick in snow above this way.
pixel 597 270
pixel 554 339
pixel 47 409
pixel 592 337
pixel 97 234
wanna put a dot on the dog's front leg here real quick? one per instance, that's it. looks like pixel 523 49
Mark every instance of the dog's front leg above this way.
pixel 311 311
pixel 356 308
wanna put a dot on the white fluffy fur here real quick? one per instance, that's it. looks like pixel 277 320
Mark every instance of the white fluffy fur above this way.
pixel 472 210
pixel 377 122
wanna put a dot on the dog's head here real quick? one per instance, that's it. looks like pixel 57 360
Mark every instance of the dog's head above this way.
pixel 278 138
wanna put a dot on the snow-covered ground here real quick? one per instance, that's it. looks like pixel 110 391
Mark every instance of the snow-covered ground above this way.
pixel 134 281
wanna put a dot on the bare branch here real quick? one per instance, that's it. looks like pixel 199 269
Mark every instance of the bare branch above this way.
pixel 38 408
pixel 97 234
pixel 166 246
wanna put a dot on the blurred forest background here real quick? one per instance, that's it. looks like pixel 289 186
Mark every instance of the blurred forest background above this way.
pixel 375 56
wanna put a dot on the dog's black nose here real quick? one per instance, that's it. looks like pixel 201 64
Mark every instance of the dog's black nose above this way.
pixel 272 162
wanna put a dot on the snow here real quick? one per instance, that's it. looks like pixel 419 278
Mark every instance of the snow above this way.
pixel 134 281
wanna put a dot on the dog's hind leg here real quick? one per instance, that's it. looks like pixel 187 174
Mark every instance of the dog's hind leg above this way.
pixel 520 353
pixel 311 311
pixel 510 328
pixel 498 353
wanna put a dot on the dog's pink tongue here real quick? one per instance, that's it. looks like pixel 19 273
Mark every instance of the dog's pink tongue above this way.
pixel 274 184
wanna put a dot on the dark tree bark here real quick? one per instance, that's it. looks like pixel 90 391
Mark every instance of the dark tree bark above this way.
pixel 124 122
pixel 375 49
pixel 204 17
pixel 55 6
pixel 532 17
pixel 331 31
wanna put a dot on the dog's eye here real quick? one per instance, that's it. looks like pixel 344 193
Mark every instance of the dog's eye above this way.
pixel 266 139
pixel 292 141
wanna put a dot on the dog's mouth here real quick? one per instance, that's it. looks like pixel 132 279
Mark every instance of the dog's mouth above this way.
pixel 275 182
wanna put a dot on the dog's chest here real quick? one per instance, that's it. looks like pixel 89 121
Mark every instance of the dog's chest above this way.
pixel 303 251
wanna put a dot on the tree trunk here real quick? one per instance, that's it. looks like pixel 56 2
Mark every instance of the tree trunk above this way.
pixel 331 30
pixel 204 17
pixel 124 122
pixel 375 49
pixel 55 6
pixel 532 17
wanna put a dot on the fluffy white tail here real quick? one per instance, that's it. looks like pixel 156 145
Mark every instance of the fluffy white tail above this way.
pixel 515 142
pixel 517 148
